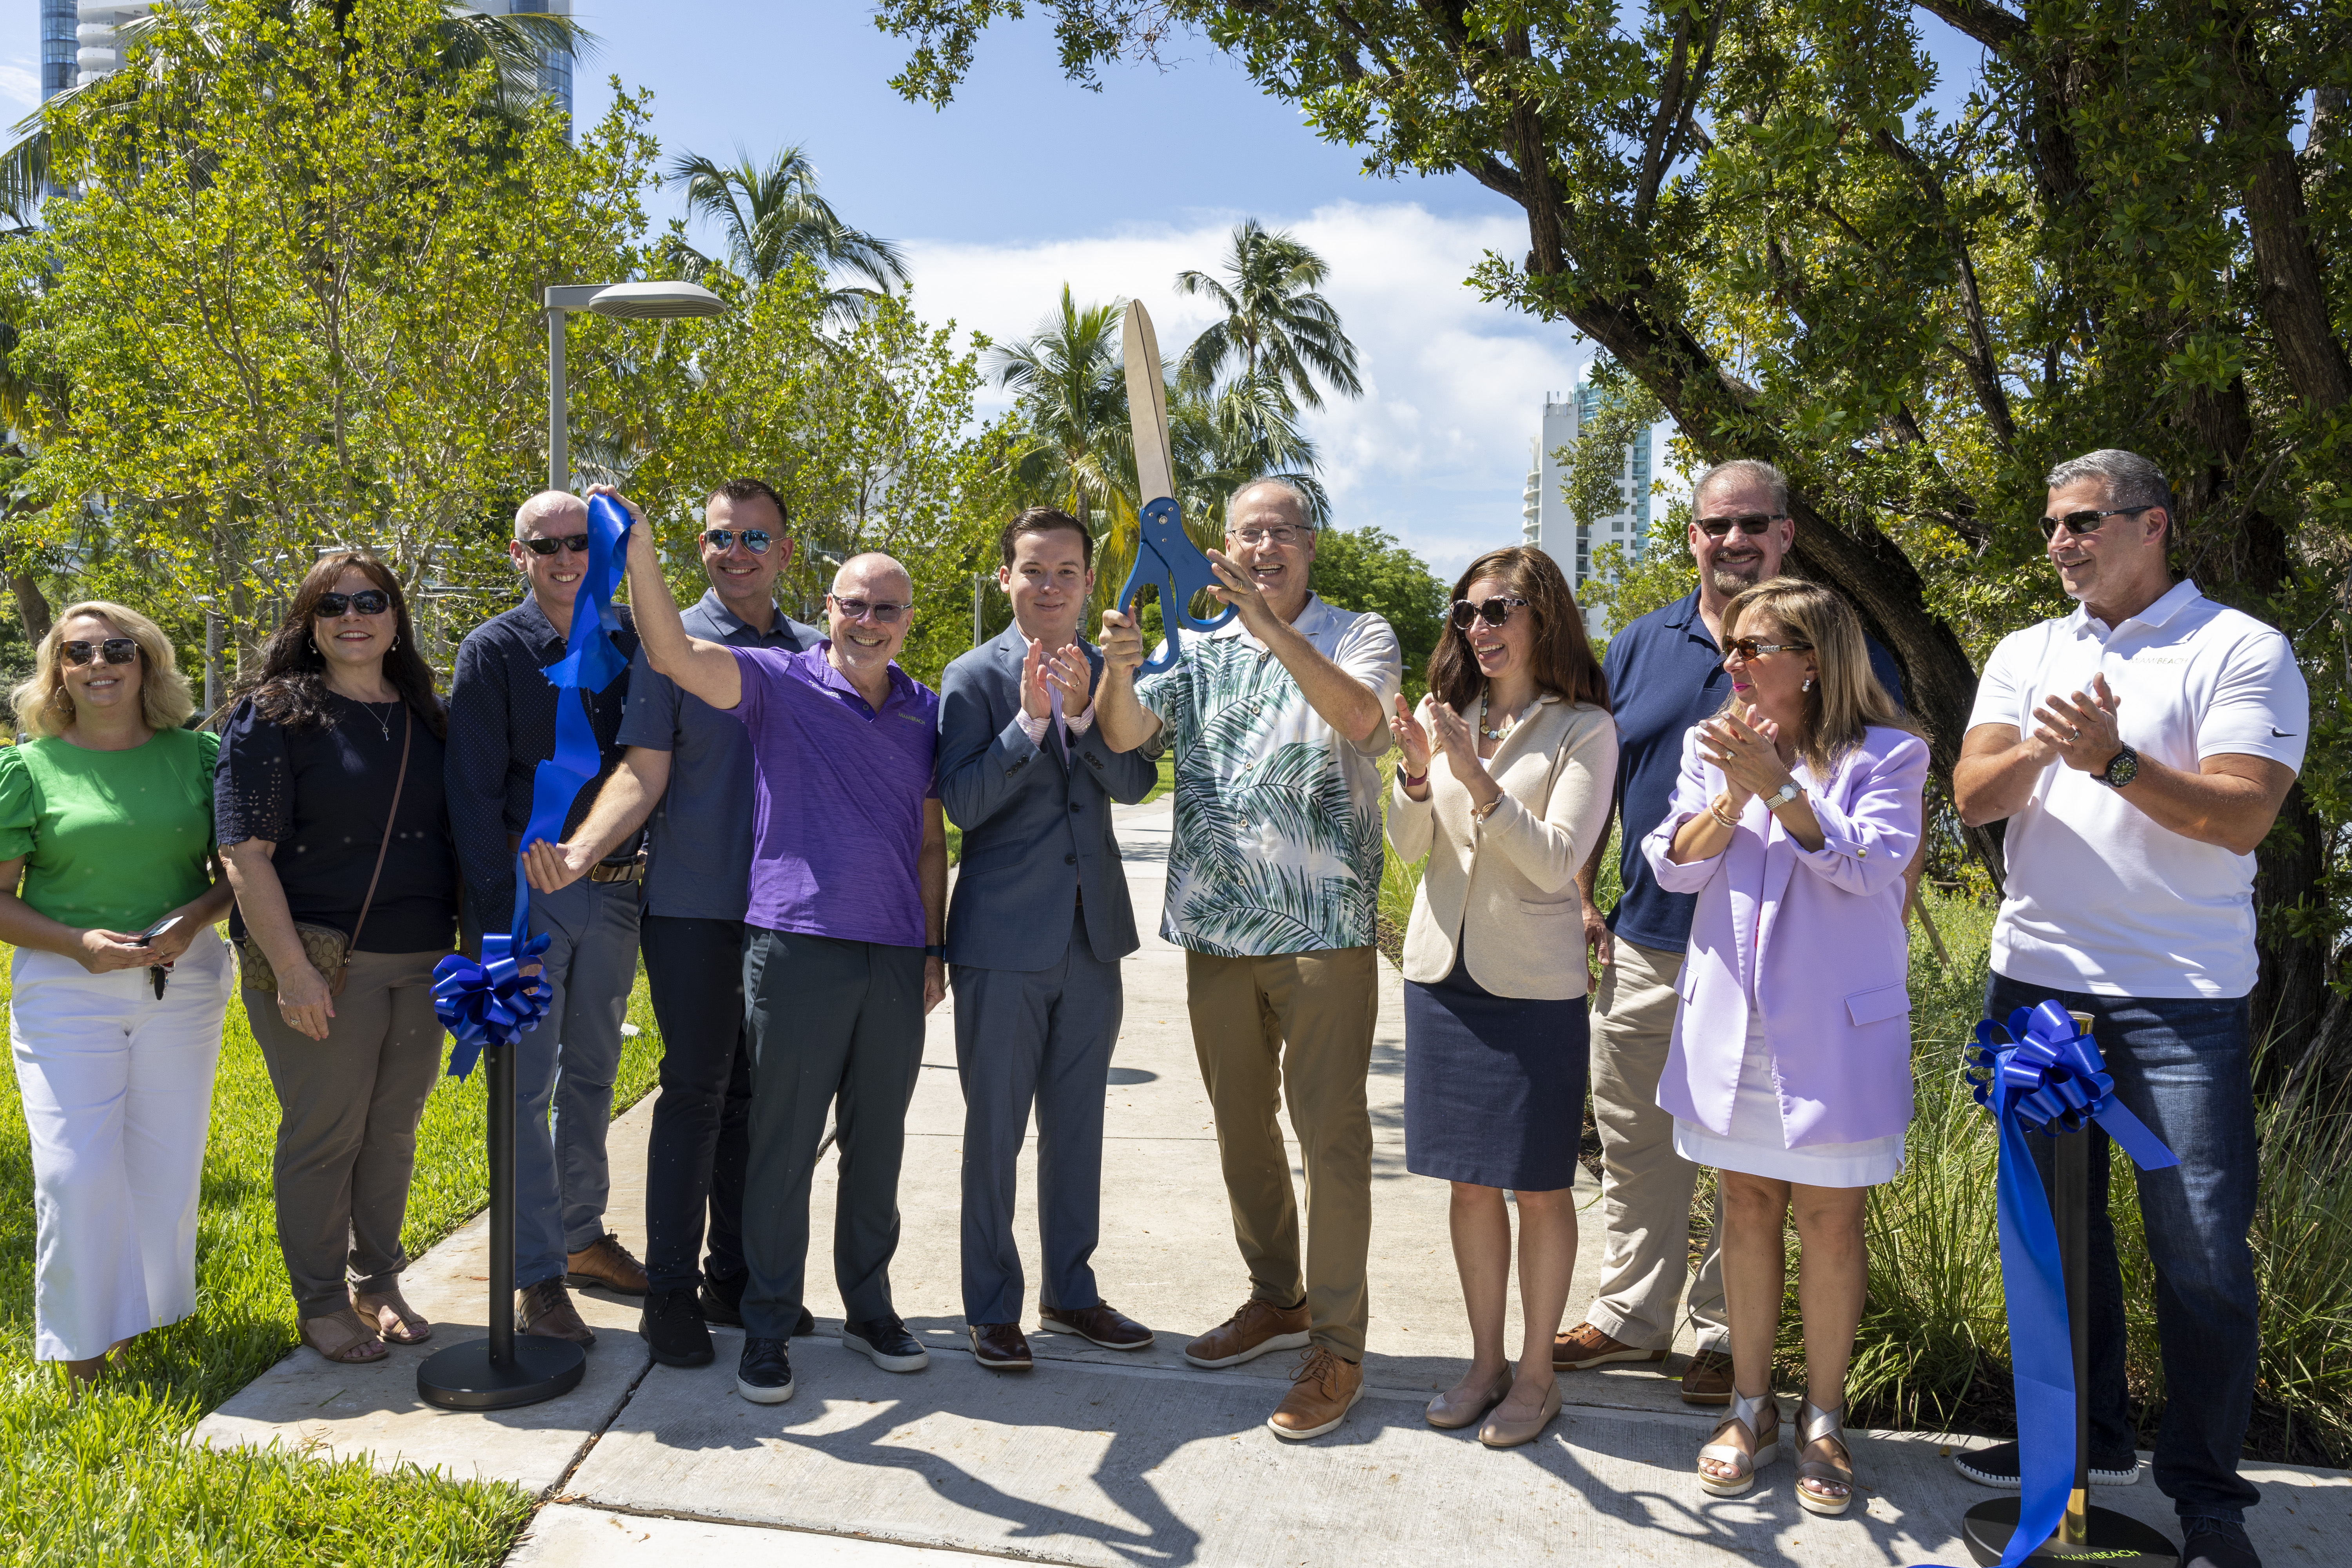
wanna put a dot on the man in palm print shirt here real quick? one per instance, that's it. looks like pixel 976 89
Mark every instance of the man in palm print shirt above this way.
pixel 1278 719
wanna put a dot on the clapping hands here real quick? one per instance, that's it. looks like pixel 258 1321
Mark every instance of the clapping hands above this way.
pixel 1063 669
pixel 1746 746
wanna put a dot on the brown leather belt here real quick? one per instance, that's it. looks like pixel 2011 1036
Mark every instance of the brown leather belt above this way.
pixel 621 871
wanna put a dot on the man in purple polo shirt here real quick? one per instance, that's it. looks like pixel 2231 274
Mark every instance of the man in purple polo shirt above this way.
pixel 841 951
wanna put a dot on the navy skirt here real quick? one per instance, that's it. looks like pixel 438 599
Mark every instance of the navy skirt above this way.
pixel 1494 1086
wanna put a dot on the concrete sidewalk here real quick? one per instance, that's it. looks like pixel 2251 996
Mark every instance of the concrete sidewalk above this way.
pixel 1102 1457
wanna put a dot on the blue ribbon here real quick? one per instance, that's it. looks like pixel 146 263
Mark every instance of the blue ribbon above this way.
pixel 492 1003
pixel 2042 1075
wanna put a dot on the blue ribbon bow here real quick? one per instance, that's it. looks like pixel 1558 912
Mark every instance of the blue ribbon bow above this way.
pixel 2043 1075
pixel 492 1003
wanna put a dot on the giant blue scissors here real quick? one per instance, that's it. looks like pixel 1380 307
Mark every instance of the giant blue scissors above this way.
pixel 1165 556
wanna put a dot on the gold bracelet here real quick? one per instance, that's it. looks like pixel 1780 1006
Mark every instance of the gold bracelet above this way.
pixel 1715 810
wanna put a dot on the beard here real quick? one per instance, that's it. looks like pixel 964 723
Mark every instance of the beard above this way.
pixel 1730 582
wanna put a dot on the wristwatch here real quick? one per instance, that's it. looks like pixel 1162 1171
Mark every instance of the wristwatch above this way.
pixel 1782 796
pixel 938 952
pixel 2121 769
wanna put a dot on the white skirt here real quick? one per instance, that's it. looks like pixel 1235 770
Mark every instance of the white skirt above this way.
pixel 1758 1144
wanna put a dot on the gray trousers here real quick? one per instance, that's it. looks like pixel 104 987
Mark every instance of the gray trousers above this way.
pixel 1645 1187
pixel 566 1065
pixel 1040 1037
pixel 348 1108
pixel 835 1025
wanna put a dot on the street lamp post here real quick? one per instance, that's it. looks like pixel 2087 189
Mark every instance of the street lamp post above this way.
pixel 502 1372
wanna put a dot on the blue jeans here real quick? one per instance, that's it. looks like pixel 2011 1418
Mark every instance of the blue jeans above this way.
pixel 568 1063
pixel 2179 1064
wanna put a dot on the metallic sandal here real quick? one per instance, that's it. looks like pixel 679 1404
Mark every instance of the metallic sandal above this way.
pixel 1744 1412
pixel 1817 1423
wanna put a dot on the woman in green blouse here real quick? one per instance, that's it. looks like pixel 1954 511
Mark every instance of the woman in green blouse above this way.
pixel 119 981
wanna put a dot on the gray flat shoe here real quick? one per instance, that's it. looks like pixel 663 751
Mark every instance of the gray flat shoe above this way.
pixel 1448 1415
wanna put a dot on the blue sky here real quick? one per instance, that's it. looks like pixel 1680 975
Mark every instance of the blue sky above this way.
pixel 1027 180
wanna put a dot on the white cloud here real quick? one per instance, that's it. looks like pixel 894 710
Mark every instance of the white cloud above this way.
pixel 1436 450
pixel 20 88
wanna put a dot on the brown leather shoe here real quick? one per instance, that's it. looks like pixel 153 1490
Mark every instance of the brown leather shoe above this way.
pixel 1708 1379
pixel 1584 1346
pixel 606 1263
pixel 1322 1391
pixel 1257 1328
pixel 546 1309
pixel 1000 1347
pixel 1103 1323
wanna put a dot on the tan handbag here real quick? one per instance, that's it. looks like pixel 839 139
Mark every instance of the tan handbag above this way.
pixel 327 948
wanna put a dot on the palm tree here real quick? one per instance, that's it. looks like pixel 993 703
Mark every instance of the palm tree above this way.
pixel 1277 326
pixel 1069 384
pixel 464 38
pixel 773 215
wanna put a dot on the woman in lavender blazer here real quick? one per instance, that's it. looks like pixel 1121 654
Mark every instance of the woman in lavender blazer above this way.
pixel 1798 810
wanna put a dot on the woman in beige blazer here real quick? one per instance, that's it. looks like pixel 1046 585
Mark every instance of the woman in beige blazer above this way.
pixel 1493 956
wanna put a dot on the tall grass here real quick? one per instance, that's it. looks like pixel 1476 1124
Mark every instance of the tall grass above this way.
pixel 112 1478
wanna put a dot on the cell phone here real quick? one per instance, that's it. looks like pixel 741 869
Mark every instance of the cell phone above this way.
pixel 157 929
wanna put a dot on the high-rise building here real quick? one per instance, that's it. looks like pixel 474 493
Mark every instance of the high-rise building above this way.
pixel 98 52
pixel 1546 522
pixel 555 71
pixel 59 18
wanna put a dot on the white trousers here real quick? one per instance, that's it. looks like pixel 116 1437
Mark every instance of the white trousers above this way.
pixel 118 1089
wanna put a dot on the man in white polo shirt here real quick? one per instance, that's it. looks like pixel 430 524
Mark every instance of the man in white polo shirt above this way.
pixel 2139 749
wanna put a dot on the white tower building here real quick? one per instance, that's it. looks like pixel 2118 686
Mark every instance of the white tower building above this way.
pixel 1547 522
pixel 97 53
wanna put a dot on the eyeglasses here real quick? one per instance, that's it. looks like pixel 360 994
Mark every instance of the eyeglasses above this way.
pixel 2079 523
pixel 577 543
pixel 1253 537
pixel 1751 523
pixel 367 602
pixel 1747 649
pixel 755 540
pixel 114 650
pixel 1494 611
pixel 859 609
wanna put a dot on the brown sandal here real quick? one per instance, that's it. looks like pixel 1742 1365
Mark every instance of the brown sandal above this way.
pixel 408 1326
pixel 343 1338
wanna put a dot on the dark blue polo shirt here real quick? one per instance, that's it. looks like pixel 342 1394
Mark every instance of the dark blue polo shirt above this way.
pixel 1665 674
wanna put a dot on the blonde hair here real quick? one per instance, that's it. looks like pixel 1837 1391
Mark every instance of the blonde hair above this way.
pixel 1846 699
pixel 165 701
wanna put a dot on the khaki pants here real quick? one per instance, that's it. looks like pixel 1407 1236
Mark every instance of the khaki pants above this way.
pixel 1645 1187
pixel 1295 1026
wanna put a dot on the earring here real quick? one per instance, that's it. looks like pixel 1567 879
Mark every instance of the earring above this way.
pixel 395 640
pixel 1809 684
pixel 313 642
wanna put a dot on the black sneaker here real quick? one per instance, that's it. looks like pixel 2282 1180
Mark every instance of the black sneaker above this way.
pixel 765 1375
pixel 672 1325
pixel 1997 1467
pixel 2216 1543
pixel 722 1302
pixel 888 1344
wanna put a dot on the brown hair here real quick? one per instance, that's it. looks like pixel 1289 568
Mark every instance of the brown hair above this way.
pixel 1846 698
pixel 1045 519
pixel 165 701
pixel 744 489
pixel 291 689
pixel 1564 665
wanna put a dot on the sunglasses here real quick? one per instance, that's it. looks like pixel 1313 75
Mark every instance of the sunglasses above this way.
pixel 114 650
pixel 755 540
pixel 859 609
pixel 2079 523
pixel 1751 523
pixel 1494 611
pixel 577 543
pixel 367 602
pixel 1747 649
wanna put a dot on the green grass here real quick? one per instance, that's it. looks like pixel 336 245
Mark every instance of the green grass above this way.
pixel 112 1478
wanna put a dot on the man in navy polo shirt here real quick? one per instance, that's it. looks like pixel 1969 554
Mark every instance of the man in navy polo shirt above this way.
pixel 842 954
pixel 1665 674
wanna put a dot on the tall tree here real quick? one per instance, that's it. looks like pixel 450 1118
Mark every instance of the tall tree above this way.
pixel 1070 388
pixel 1277 326
pixel 771 215
pixel 2117 241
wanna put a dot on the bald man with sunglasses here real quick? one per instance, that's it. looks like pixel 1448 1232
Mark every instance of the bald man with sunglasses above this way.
pixel 1665 674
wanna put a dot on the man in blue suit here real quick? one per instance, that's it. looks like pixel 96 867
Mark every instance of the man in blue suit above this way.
pixel 1037 925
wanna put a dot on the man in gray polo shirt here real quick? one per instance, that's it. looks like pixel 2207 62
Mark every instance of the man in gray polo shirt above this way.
pixel 689 767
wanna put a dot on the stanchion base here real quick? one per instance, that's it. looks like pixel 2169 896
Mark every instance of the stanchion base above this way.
pixel 463 1377
pixel 2111 1538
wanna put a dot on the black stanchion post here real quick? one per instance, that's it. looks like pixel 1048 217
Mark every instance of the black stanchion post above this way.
pixel 2084 1534
pixel 504 1369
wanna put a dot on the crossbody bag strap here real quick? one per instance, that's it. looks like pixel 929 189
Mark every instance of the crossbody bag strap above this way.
pixel 407 738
